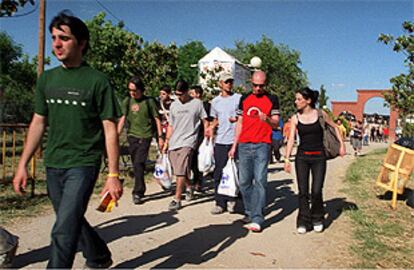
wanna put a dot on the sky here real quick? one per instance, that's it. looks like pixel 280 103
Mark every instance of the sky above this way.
pixel 337 39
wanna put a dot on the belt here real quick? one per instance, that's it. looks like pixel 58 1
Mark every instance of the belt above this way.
pixel 312 152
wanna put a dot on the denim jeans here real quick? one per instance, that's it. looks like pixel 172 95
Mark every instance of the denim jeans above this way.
pixel 220 157
pixel 310 204
pixel 253 162
pixel 70 190
pixel 138 149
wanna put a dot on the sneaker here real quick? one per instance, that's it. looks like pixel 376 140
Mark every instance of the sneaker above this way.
pixel 101 265
pixel 189 194
pixel 174 205
pixel 246 219
pixel 231 206
pixel 137 199
pixel 318 227
pixel 217 210
pixel 254 227
pixel 301 230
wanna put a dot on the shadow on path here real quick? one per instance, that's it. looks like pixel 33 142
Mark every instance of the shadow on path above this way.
pixel 110 231
pixel 196 247
pixel 335 207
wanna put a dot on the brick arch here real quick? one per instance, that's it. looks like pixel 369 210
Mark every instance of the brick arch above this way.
pixel 357 107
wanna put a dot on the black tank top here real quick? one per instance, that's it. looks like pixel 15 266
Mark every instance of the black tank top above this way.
pixel 311 136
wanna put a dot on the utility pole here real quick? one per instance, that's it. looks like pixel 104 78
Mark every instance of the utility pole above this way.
pixel 41 42
pixel 40 68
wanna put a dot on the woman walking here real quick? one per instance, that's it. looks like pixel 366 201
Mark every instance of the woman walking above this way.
pixel 310 158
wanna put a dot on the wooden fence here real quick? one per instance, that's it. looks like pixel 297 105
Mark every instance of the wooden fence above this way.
pixel 12 144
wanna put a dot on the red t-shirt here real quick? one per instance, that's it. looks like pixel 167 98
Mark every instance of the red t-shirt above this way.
pixel 253 129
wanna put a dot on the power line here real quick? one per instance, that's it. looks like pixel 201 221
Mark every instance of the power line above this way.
pixel 21 15
pixel 113 15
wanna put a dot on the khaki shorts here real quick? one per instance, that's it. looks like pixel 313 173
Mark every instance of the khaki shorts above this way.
pixel 180 160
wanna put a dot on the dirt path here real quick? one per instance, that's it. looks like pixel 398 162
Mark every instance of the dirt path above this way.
pixel 148 235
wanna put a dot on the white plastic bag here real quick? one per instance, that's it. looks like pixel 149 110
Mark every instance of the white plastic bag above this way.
pixel 162 171
pixel 229 183
pixel 205 156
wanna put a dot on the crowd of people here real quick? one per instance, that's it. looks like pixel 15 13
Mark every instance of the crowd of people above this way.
pixel 84 118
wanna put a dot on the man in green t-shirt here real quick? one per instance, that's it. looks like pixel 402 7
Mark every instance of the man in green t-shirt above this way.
pixel 140 115
pixel 77 106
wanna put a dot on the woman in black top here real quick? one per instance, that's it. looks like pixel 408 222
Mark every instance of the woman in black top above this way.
pixel 310 158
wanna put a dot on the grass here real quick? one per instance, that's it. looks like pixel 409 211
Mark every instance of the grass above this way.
pixel 383 238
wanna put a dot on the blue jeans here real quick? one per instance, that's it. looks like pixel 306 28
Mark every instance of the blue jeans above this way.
pixel 253 162
pixel 70 190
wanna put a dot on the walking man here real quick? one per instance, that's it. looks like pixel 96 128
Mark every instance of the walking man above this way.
pixel 181 139
pixel 140 113
pixel 223 112
pixel 258 113
pixel 79 107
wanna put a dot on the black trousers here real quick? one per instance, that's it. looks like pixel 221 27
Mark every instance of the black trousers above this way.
pixel 310 203
pixel 220 157
pixel 275 148
pixel 138 149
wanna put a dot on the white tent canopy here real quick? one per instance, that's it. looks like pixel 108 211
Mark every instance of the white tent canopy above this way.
pixel 217 61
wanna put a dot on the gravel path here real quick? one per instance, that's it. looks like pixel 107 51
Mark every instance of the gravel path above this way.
pixel 150 236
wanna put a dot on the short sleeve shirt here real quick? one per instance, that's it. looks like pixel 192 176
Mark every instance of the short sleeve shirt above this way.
pixel 140 116
pixel 253 129
pixel 222 108
pixel 75 101
pixel 185 121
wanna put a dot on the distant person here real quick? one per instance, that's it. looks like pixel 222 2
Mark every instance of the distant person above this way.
pixel 258 113
pixel 165 101
pixel 224 113
pixel 357 133
pixel 197 92
pixel 277 143
pixel 310 159
pixel 140 115
pixel 365 136
pixel 78 106
pixel 181 140
pixel 341 128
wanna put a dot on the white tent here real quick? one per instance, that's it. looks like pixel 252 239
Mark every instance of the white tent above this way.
pixel 217 61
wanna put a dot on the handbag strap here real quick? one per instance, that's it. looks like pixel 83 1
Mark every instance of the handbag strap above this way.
pixel 322 121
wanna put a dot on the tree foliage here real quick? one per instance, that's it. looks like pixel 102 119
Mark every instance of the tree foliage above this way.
pixel 189 54
pixel 9 7
pixel 282 66
pixel 121 54
pixel 17 82
pixel 323 98
pixel 401 96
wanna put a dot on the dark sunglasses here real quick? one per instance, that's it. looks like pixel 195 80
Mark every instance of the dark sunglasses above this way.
pixel 258 85
pixel 178 93
pixel 229 81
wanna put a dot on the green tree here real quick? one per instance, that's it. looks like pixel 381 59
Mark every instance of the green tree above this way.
pixel 282 66
pixel 9 7
pixel 189 54
pixel 121 54
pixel 401 96
pixel 17 82
pixel 323 98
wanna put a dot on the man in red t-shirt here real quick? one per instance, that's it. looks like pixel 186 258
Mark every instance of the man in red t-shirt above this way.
pixel 258 113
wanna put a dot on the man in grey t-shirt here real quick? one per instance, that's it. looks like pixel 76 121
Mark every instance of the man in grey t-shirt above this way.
pixel 223 112
pixel 181 138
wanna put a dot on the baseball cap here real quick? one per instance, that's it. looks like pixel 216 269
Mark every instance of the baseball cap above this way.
pixel 224 76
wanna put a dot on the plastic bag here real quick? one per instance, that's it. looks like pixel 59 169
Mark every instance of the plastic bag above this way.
pixel 229 183
pixel 205 156
pixel 162 171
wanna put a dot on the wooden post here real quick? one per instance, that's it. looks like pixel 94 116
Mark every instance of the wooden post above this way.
pixel 4 154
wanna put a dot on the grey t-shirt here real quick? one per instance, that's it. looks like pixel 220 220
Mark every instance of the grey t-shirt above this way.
pixel 223 108
pixel 185 120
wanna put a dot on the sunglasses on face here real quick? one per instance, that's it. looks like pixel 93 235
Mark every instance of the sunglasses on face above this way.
pixel 178 93
pixel 229 81
pixel 258 85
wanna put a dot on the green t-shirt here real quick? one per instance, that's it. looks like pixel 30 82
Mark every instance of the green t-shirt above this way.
pixel 140 116
pixel 75 101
